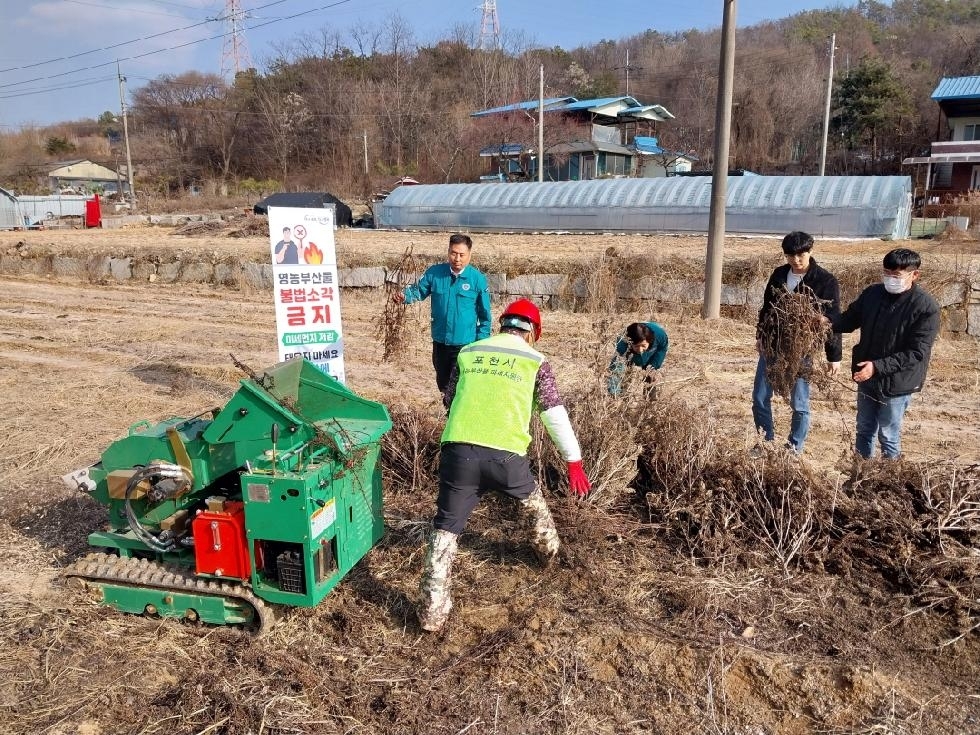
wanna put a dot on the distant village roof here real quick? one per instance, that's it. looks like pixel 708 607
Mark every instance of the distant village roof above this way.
pixel 648 145
pixel 957 88
pixel 306 200
pixel 624 109
pixel 505 149
pixel 81 169
pixel 585 146
pixel 519 106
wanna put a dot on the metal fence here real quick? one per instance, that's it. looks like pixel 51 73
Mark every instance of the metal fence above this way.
pixel 45 208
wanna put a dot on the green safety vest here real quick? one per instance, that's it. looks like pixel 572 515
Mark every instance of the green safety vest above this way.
pixel 494 394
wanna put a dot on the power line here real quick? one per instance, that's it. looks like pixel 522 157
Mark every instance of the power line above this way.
pixel 127 43
pixel 169 48
pixel 175 5
pixel 117 8
pixel 59 87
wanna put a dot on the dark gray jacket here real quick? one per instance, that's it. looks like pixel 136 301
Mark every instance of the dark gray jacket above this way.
pixel 897 333
pixel 821 285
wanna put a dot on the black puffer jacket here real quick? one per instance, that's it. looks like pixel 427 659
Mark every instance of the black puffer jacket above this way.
pixel 897 333
pixel 821 284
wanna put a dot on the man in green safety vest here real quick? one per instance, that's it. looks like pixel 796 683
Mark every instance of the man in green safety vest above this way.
pixel 496 385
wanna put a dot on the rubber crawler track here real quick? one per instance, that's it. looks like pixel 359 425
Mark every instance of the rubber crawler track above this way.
pixel 131 572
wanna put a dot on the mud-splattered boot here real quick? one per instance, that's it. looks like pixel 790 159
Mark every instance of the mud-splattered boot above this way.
pixel 436 602
pixel 541 528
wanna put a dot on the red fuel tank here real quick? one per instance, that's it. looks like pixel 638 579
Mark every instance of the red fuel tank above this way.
pixel 220 544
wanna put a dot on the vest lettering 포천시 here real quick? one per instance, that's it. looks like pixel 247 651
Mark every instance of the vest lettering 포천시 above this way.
pixel 504 368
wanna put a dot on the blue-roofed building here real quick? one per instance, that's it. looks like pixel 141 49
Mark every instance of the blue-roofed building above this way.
pixel 952 166
pixel 530 106
pixel 654 162
pixel 583 139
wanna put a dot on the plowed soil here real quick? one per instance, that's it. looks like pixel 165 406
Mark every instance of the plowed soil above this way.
pixel 626 634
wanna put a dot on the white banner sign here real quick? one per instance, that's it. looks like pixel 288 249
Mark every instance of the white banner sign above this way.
pixel 307 292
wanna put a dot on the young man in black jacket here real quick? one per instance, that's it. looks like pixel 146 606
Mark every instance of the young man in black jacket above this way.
pixel 801 274
pixel 899 322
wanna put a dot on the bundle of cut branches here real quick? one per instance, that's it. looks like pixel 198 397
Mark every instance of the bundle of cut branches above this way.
pixel 391 324
pixel 192 229
pixel 410 451
pixel 251 228
pixel 792 337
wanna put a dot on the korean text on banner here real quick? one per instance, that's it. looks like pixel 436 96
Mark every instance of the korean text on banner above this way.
pixel 307 292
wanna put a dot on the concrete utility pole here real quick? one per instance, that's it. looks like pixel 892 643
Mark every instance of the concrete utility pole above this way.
pixel 719 173
pixel 826 109
pixel 129 158
pixel 366 169
pixel 541 125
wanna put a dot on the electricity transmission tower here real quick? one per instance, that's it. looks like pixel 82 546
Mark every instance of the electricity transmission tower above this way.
pixel 489 26
pixel 234 52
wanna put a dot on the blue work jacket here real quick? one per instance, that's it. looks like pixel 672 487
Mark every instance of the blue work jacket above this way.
pixel 653 357
pixel 460 304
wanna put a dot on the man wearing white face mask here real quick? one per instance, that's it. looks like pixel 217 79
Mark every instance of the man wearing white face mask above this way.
pixel 899 322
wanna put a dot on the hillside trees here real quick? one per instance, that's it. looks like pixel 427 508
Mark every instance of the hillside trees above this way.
pixel 181 113
pixel 872 107
pixel 304 119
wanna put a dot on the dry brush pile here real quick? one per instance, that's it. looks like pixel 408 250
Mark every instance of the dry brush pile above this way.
pixel 910 527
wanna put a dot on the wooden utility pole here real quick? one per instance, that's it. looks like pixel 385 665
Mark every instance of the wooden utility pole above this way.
pixel 719 173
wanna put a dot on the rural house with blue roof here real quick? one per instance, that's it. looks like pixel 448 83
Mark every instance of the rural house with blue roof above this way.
pixel 583 139
pixel 952 167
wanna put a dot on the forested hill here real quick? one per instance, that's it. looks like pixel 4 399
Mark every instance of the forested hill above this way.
pixel 306 120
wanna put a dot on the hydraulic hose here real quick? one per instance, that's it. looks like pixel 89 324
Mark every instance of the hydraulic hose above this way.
pixel 153 470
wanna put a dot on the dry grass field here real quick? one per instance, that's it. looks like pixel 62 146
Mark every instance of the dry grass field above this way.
pixel 736 596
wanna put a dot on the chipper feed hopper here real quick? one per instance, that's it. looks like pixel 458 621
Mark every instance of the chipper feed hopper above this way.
pixel 272 498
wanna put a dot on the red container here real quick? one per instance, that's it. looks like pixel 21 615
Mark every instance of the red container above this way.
pixel 93 212
pixel 220 544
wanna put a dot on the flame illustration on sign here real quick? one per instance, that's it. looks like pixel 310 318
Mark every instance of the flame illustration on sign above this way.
pixel 312 254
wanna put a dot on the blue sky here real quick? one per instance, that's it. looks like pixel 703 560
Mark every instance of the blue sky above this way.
pixel 57 57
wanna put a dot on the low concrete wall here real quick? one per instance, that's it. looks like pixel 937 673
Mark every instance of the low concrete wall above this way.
pixel 114 222
pixel 960 301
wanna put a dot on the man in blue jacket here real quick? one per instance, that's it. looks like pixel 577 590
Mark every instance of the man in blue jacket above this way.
pixel 460 305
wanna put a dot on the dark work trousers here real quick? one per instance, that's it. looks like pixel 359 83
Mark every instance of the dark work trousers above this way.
pixel 444 360
pixel 467 472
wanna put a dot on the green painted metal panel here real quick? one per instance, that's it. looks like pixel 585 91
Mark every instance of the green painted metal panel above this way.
pixel 176 604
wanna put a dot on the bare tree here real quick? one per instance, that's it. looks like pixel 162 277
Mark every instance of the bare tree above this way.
pixel 285 115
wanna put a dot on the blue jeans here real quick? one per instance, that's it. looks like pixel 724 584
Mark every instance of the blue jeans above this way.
pixel 881 416
pixel 799 401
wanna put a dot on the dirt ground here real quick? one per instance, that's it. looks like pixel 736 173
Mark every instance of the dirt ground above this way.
pixel 628 634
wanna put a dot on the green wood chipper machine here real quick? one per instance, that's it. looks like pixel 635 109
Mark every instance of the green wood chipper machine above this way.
pixel 271 499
